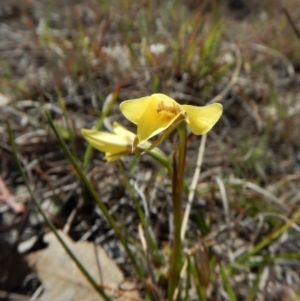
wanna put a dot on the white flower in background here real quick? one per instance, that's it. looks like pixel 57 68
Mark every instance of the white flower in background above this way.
pixel 157 48
pixel 121 54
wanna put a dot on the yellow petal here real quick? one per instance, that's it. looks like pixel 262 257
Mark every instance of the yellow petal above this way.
pixel 121 131
pixel 202 119
pixel 110 157
pixel 105 142
pixel 155 119
pixel 168 101
pixel 133 109
pixel 147 146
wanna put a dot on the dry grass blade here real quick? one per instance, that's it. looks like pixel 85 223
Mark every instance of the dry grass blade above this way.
pixel 234 77
pixel 261 190
pixel 267 50
pixel 193 186
pixel 292 23
pixel 223 198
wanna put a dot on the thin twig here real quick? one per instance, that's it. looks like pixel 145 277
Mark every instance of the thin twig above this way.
pixel 267 50
pixel 88 234
pixel 223 198
pixel 292 23
pixel 8 198
pixel 37 293
pixel 147 215
pixel 280 216
pixel 142 238
pixel 193 186
pixel 234 78
pixel 261 190
pixel 182 275
pixel 98 258
pixel 70 219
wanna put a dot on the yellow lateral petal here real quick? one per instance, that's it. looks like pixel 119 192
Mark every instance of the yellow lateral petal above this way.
pixel 202 119
pixel 105 142
pixel 153 122
pixel 121 131
pixel 133 109
pixel 147 146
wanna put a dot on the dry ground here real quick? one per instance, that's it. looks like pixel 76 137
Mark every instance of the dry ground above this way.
pixel 73 54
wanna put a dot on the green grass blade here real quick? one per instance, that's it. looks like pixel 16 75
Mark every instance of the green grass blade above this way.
pixel 226 283
pixel 192 272
pixel 255 286
pixel 49 222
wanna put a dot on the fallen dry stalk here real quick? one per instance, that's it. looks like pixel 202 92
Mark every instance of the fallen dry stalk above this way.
pixel 8 198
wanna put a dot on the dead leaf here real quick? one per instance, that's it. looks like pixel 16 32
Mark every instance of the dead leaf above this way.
pixel 63 281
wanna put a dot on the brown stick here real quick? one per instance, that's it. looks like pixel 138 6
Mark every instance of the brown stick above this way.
pixel 292 23
pixel 8 198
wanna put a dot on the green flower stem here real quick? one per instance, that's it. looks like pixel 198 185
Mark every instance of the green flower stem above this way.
pixel 162 159
pixel 49 223
pixel 182 151
pixel 177 190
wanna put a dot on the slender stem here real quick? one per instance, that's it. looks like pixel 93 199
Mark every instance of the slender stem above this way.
pixel 177 190
pixel 182 151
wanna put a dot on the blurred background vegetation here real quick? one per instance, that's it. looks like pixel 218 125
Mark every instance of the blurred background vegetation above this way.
pixel 69 56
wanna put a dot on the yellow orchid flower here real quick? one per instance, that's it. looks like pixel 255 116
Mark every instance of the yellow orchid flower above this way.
pixel 121 143
pixel 114 145
pixel 156 113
